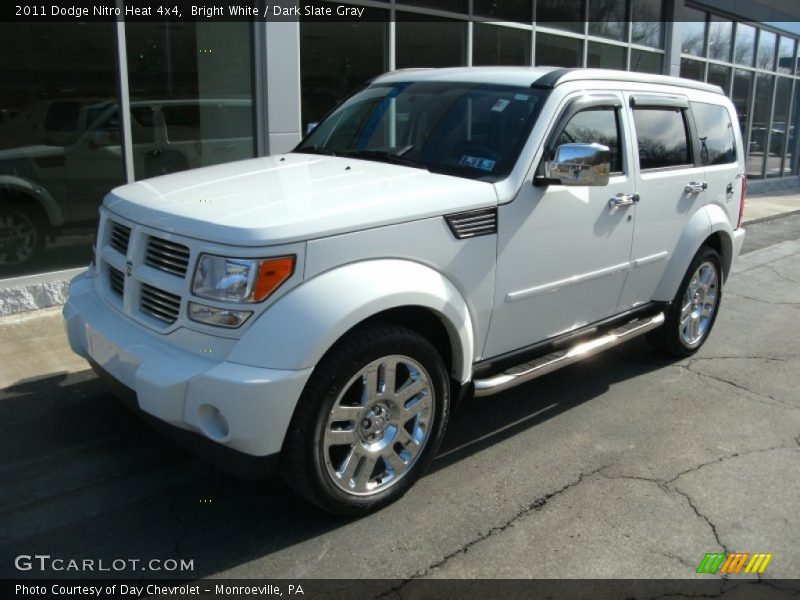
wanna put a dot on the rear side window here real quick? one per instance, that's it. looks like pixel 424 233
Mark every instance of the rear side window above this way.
pixel 597 125
pixel 662 138
pixel 714 127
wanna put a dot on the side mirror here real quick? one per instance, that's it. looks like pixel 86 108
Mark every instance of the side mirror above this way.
pixel 311 127
pixel 580 164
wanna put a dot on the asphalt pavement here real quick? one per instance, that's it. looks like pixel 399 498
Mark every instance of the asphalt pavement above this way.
pixel 626 465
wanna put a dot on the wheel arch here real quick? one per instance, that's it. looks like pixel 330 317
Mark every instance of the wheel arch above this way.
pixel 15 189
pixel 310 319
pixel 708 226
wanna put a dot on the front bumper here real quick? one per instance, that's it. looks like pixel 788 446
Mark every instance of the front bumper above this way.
pixel 238 407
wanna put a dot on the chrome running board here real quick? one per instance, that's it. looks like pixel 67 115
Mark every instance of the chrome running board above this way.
pixel 561 358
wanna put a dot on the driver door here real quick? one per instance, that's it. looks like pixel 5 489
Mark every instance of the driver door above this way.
pixel 563 251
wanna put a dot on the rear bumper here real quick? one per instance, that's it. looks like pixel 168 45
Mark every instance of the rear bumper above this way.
pixel 238 408
pixel 738 241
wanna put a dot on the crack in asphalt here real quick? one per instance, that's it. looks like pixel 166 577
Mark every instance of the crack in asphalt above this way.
pixel 536 505
pixel 782 276
pixel 761 300
pixel 173 510
pixel 751 394
pixel 669 486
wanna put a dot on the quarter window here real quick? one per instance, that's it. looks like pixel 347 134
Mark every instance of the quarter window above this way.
pixel 662 137
pixel 714 127
pixel 599 126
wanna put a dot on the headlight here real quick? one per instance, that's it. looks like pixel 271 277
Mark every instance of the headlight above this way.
pixel 240 279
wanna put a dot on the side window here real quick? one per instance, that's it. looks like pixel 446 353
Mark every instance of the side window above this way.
pixel 714 127
pixel 662 137
pixel 595 125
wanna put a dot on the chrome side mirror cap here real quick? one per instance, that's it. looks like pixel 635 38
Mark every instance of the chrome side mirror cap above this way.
pixel 580 164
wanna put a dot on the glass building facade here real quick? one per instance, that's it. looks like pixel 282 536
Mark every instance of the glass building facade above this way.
pixel 88 106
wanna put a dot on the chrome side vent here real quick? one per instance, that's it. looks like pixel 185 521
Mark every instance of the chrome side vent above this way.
pixel 160 304
pixel 473 223
pixel 167 256
pixel 120 236
pixel 116 280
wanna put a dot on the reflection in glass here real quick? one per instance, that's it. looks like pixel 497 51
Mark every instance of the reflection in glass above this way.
pixel 780 126
pixel 607 19
pixel 744 45
pixel 191 95
pixel 720 38
pixel 494 45
pixel 520 11
pixel 786 55
pixel 742 88
pixel 560 14
pixel 595 127
pixel 334 61
pixel 646 62
pixel 715 131
pixel 693 36
pixel 766 50
pixel 759 130
pixel 692 69
pixel 558 51
pixel 719 75
pixel 662 137
pixel 605 56
pixel 429 44
pixel 647 27
pixel 60 147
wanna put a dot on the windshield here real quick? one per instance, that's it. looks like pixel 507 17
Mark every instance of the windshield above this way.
pixel 468 130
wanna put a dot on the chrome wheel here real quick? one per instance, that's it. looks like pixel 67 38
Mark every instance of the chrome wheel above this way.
pixel 378 425
pixel 699 304
pixel 18 236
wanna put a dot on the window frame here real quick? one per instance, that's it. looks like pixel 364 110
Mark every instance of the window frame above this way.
pixel 572 108
pixel 733 134
pixel 692 142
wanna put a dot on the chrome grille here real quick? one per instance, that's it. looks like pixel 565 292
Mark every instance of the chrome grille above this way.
pixel 160 304
pixel 167 256
pixel 120 236
pixel 116 279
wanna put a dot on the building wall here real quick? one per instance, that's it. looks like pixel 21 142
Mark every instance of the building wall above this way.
pixel 196 94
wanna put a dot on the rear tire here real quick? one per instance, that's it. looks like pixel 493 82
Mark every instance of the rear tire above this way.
pixel 22 233
pixel 694 309
pixel 369 421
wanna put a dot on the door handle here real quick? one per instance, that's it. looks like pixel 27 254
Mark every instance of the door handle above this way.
pixel 695 187
pixel 729 189
pixel 621 200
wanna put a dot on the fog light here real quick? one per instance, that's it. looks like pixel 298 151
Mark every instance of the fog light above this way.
pixel 213 423
pixel 219 317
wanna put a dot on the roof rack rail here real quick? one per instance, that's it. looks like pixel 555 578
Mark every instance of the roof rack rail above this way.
pixel 560 75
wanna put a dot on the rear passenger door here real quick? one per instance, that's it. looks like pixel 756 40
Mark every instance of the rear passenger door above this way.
pixel 670 184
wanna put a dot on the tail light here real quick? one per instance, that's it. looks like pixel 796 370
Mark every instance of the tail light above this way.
pixel 741 201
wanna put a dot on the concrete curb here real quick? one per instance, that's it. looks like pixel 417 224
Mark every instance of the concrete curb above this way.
pixel 35 292
pixel 771 217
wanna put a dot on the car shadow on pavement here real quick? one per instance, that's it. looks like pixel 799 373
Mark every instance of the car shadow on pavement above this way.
pixel 81 476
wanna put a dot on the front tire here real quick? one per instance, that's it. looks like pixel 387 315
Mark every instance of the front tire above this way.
pixel 694 309
pixel 369 421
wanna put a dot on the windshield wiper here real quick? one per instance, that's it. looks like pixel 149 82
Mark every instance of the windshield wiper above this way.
pixel 315 150
pixel 382 155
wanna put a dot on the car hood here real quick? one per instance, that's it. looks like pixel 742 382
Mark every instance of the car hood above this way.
pixel 292 197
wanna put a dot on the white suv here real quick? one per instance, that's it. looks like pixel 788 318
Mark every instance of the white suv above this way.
pixel 440 232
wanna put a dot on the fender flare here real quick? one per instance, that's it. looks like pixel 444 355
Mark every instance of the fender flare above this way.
pixel 296 331
pixel 36 192
pixel 707 220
